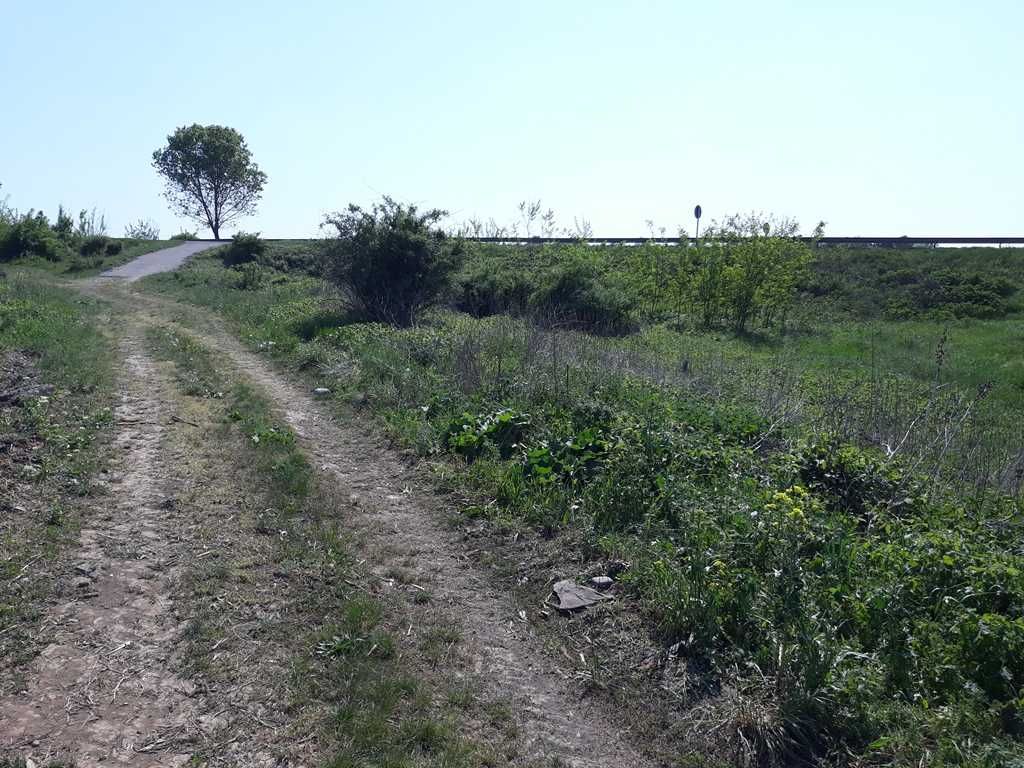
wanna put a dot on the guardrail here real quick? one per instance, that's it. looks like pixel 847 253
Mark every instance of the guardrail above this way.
pixel 882 242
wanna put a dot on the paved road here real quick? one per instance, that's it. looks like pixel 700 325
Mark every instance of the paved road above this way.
pixel 163 260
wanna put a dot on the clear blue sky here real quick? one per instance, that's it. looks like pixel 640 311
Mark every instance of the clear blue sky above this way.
pixel 879 117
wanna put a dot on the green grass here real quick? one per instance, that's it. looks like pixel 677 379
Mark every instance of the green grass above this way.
pixel 865 604
pixel 841 283
pixel 53 323
pixel 194 369
pixel 52 445
pixel 976 352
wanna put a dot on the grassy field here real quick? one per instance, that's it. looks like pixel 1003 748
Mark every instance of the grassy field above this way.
pixel 841 283
pixel 827 522
pixel 56 379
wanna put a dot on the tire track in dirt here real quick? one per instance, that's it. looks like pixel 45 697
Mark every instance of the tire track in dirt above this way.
pixel 400 523
pixel 103 691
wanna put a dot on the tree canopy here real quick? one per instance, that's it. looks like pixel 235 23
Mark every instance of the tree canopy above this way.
pixel 210 175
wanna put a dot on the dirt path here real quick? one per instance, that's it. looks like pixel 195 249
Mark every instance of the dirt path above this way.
pixel 104 691
pixel 403 528
pixel 107 690
pixel 162 260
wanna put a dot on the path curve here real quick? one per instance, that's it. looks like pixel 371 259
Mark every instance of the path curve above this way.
pixel 393 512
pixel 163 260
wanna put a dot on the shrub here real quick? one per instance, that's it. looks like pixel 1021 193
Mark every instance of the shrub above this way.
pixel 7 214
pixel 185 235
pixel 391 261
pixel 252 276
pixel 91 223
pixel 571 295
pixel 293 257
pixel 855 480
pixel 505 429
pixel 485 290
pixel 742 279
pixel 113 248
pixel 244 249
pixel 29 236
pixel 935 284
pixel 64 227
pixel 143 229
pixel 93 245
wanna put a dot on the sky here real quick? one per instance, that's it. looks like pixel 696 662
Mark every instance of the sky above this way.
pixel 880 118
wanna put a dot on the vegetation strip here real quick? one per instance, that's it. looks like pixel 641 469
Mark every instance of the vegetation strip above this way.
pixel 56 380
pixel 826 596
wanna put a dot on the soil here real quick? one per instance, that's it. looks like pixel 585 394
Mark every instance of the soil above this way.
pixel 104 689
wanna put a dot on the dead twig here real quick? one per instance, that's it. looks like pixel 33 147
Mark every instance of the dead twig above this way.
pixel 117 688
pixel 120 647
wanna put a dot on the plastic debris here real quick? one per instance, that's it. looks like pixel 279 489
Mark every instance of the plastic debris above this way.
pixel 572 596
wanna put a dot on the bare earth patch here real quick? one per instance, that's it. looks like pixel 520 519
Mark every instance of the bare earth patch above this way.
pixel 103 690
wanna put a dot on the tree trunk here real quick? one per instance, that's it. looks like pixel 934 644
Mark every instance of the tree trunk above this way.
pixel 216 231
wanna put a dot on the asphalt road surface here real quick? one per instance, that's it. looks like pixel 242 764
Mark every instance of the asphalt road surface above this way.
pixel 163 260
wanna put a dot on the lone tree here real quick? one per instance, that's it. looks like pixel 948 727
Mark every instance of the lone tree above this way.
pixel 210 175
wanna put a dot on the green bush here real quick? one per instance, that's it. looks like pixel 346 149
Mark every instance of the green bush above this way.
pixel 93 245
pixel 244 249
pixel 143 229
pixel 390 262
pixel 185 235
pixel 293 257
pixel 486 289
pixel 113 248
pixel 572 295
pixel 937 284
pixel 252 276
pixel 467 434
pixel 30 236
pixel 856 480
pixel 64 227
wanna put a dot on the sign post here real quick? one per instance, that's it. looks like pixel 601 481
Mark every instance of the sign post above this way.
pixel 696 214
